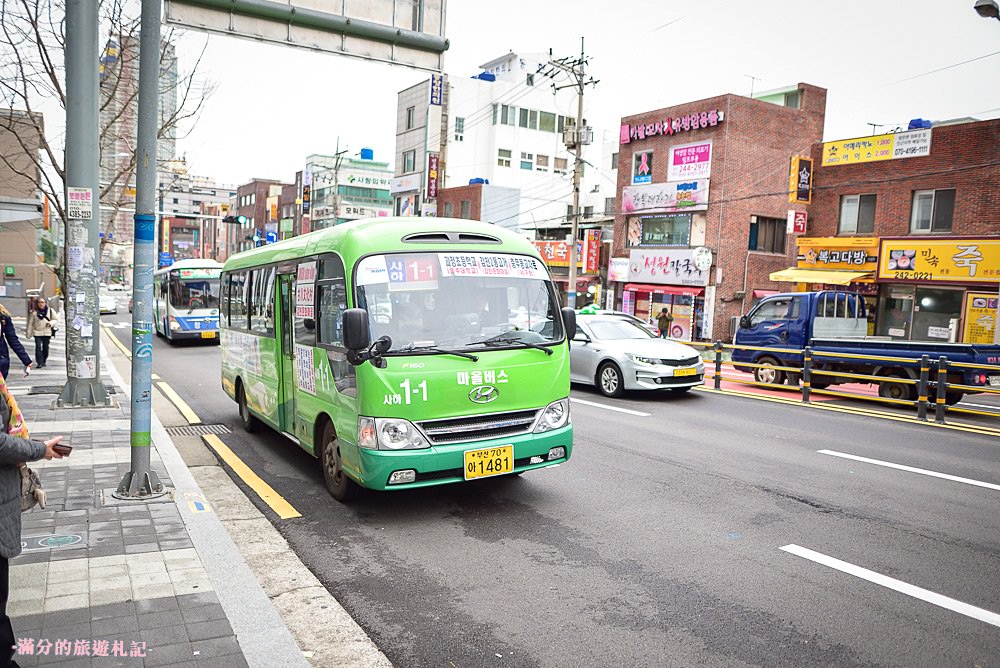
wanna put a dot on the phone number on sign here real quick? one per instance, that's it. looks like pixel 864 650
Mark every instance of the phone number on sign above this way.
pixel 914 275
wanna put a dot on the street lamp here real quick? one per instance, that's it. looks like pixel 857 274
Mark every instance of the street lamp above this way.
pixel 988 9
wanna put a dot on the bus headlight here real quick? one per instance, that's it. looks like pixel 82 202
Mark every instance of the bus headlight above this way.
pixel 174 325
pixel 554 416
pixel 397 434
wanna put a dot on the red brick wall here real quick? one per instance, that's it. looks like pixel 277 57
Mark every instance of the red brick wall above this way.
pixel 751 150
pixel 965 157
pixel 472 193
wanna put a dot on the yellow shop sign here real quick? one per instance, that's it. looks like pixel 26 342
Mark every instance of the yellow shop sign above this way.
pixel 947 260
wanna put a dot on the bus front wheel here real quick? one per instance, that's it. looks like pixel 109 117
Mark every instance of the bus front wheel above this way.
pixel 250 423
pixel 338 483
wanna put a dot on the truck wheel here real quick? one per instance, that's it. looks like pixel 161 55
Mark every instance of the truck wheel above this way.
pixel 902 391
pixel 338 483
pixel 767 373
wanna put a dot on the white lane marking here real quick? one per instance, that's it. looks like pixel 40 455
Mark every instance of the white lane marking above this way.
pixel 610 408
pixel 896 585
pixel 911 469
pixel 965 404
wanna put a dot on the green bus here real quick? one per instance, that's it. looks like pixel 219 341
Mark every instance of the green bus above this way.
pixel 401 352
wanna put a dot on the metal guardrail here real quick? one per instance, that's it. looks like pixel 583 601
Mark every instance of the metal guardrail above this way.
pixel 932 378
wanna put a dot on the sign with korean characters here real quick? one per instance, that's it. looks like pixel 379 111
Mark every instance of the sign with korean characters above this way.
pixel 980 317
pixel 433 164
pixel 666 197
pixel 305 290
pixel 940 260
pixel 670 266
pixel 690 161
pixel 800 180
pixel 851 253
pixel 422 270
pixel 588 252
pixel 912 144
pixel 79 203
pixel 437 89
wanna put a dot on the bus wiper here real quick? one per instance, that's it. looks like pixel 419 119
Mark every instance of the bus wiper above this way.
pixel 409 348
pixel 500 340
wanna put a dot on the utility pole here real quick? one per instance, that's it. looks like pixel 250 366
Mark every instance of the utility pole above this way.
pixel 83 245
pixel 141 482
pixel 578 138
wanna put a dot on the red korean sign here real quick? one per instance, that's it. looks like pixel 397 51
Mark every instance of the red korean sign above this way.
pixel 588 252
pixel 433 163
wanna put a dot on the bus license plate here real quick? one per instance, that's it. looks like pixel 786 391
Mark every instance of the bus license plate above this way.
pixel 995 381
pixel 208 335
pixel 685 372
pixel 489 462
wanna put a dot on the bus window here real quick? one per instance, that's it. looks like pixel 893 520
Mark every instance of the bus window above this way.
pixel 224 302
pixel 262 302
pixel 238 300
pixel 332 301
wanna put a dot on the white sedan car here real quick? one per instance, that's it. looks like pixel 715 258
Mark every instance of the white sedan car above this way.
pixel 615 355
pixel 108 303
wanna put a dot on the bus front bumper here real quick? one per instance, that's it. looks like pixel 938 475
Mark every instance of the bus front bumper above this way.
pixel 206 334
pixel 443 464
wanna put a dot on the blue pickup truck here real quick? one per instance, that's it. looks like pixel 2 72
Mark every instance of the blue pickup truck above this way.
pixel 836 322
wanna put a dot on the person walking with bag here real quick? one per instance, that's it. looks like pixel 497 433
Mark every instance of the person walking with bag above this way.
pixel 41 327
pixel 15 451
pixel 8 337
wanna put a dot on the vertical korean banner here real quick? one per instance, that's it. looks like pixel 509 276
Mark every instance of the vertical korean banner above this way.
pixel 433 162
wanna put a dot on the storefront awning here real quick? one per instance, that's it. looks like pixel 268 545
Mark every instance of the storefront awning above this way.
pixel 794 275
pixel 665 289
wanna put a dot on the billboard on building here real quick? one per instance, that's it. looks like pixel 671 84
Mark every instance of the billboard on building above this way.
pixel 911 144
pixel 690 161
pixel 851 253
pixel 800 180
pixel 666 197
pixel 668 266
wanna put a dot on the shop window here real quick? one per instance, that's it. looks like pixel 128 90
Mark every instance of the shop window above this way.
pixel 857 214
pixel 767 235
pixel 932 211
pixel 669 230
pixel 409 161
pixel 503 157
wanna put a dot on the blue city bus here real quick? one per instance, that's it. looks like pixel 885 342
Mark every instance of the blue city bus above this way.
pixel 186 300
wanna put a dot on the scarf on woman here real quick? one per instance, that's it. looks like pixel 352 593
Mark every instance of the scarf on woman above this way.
pixel 43 313
pixel 15 425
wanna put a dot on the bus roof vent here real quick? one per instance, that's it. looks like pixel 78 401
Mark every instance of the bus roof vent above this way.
pixel 450 237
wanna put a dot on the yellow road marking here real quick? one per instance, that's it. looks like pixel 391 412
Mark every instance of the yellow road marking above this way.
pixel 278 504
pixel 119 344
pixel 181 405
pixel 986 431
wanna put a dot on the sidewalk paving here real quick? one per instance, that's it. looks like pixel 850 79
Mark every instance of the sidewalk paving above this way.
pixel 103 582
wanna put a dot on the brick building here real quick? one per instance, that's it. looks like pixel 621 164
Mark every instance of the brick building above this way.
pixel 702 204
pixel 252 202
pixel 926 219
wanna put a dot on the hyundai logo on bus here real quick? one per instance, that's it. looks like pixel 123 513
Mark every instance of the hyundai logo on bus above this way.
pixel 484 394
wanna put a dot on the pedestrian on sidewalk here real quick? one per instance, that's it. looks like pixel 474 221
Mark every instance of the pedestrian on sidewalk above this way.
pixel 663 322
pixel 8 337
pixel 15 450
pixel 41 327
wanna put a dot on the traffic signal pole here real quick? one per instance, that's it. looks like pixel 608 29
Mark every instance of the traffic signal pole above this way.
pixel 141 482
pixel 83 246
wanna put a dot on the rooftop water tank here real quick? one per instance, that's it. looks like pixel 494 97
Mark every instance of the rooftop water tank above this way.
pixel 367 154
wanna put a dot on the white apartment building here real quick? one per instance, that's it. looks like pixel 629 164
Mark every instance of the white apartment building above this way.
pixel 504 125
pixel 348 188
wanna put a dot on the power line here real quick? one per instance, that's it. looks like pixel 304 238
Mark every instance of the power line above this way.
pixel 940 69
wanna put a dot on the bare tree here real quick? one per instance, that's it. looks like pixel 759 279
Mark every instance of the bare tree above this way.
pixel 32 79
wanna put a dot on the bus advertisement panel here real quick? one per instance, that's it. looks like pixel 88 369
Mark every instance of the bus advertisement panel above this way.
pixel 401 363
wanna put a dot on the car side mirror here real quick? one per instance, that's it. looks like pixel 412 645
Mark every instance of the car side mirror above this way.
pixel 744 322
pixel 356 334
pixel 581 337
pixel 569 322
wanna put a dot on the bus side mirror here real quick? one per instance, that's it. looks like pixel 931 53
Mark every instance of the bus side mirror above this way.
pixel 356 334
pixel 744 322
pixel 569 322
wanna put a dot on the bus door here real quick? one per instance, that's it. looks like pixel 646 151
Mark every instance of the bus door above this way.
pixel 286 364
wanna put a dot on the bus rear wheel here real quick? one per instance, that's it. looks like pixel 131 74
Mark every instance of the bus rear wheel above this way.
pixel 338 483
pixel 250 423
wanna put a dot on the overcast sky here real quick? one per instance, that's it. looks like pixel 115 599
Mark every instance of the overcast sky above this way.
pixel 276 105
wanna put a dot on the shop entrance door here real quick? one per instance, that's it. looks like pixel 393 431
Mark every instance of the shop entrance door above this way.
pixel 896 312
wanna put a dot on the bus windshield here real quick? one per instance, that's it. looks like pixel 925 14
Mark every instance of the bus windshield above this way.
pixel 194 293
pixel 458 300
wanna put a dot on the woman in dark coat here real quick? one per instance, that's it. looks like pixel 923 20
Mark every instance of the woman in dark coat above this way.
pixel 14 451
pixel 8 337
